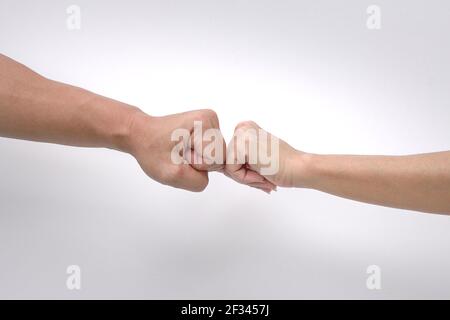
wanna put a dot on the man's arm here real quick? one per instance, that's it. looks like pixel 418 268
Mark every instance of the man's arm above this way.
pixel 35 108
pixel 416 182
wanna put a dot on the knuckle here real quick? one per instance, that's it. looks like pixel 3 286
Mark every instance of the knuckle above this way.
pixel 246 125
pixel 209 115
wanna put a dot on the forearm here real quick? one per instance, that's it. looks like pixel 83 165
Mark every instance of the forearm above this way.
pixel 417 182
pixel 35 108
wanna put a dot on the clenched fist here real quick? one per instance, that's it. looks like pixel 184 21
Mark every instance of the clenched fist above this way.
pixel 171 150
pixel 253 153
pixel 180 149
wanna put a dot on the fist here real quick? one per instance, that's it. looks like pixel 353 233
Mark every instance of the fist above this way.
pixel 179 149
pixel 259 159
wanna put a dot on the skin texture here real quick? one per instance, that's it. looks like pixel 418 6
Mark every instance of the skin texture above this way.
pixel 38 109
pixel 151 145
pixel 416 182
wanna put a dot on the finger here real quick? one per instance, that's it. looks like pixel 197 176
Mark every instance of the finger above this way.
pixel 238 152
pixel 265 184
pixel 231 162
pixel 249 177
pixel 208 144
pixel 262 189
pixel 246 176
pixel 201 164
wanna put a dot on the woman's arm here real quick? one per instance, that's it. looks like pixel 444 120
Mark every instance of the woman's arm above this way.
pixel 417 182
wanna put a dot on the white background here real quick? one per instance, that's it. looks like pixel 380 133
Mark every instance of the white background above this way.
pixel 308 71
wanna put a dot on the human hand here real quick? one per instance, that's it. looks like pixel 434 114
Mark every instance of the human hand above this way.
pixel 254 153
pixel 154 140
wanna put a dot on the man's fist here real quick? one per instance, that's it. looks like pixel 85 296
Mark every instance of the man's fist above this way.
pixel 173 151
pixel 179 150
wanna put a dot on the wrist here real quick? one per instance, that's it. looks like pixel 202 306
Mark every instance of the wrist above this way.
pixel 99 121
pixel 123 135
pixel 304 173
pixel 138 126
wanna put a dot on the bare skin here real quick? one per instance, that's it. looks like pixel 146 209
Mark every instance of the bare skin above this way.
pixel 38 109
pixel 416 182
